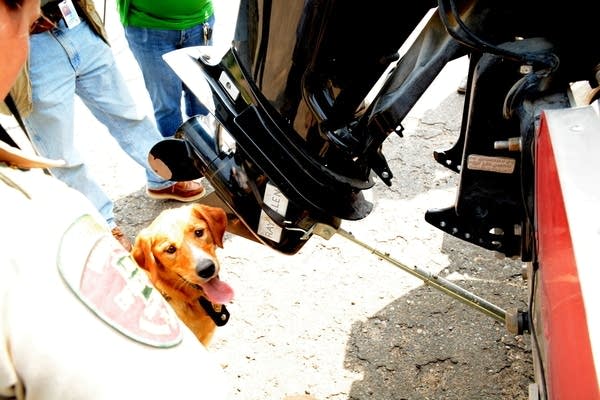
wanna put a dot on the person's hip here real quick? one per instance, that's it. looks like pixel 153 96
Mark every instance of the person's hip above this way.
pixel 53 13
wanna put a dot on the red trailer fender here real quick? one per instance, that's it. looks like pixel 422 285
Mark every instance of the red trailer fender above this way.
pixel 567 227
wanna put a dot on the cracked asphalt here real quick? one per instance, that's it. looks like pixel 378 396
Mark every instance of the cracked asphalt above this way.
pixel 335 321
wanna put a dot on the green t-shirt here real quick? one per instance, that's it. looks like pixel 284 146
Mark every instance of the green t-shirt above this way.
pixel 157 14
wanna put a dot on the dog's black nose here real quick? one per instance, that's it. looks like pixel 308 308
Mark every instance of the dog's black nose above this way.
pixel 205 269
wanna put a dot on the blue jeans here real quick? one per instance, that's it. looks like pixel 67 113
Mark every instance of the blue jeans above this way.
pixel 67 62
pixel 164 86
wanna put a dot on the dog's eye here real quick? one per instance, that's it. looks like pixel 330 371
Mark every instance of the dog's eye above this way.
pixel 199 232
pixel 171 249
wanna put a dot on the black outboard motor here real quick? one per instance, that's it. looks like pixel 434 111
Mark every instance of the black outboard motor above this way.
pixel 290 96
pixel 309 91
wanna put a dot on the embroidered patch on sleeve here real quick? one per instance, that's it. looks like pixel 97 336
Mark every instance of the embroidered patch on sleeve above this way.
pixel 107 280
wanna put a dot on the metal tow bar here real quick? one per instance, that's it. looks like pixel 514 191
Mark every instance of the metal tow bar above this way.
pixel 327 231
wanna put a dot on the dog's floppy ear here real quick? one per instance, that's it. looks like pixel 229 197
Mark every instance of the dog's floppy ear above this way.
pixel 142 253
pixel 216 218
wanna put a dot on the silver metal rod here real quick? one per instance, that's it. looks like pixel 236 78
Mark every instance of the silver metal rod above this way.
pixel 433 280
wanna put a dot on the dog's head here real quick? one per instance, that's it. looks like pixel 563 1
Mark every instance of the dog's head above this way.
pixel 178 249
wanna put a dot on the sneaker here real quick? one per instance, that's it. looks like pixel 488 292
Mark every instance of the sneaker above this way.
pixel 181 191
pixel 121 238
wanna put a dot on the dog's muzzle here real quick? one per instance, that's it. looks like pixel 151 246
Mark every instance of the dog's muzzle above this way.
pixel 205 269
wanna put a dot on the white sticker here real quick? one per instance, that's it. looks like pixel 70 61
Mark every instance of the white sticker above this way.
pixel 228 85
pixel 502 165
pixel 69 13
pixel 279 203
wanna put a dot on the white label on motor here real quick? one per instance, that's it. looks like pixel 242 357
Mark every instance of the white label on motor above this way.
pixel 228 85
pixel 279 203
pixel 502 165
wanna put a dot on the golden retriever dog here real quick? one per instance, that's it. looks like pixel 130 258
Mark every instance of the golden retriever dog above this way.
pixel 178 251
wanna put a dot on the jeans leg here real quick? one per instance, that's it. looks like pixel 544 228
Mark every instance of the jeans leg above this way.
pixel 164 86
pixel 51 125
pixel 103 90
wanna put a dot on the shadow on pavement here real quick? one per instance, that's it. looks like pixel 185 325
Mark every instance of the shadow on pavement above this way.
pixel 427 345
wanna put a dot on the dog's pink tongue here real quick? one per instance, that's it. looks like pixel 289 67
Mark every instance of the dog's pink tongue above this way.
pixel 218 291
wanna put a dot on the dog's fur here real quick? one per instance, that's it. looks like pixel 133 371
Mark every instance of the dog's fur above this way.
pixel 178 251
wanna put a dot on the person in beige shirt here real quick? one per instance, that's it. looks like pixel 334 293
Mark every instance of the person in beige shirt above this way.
pixel 78 319
pixel 69 58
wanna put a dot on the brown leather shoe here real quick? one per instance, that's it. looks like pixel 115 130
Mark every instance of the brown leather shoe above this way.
pixel 120 236
pixel 181 191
